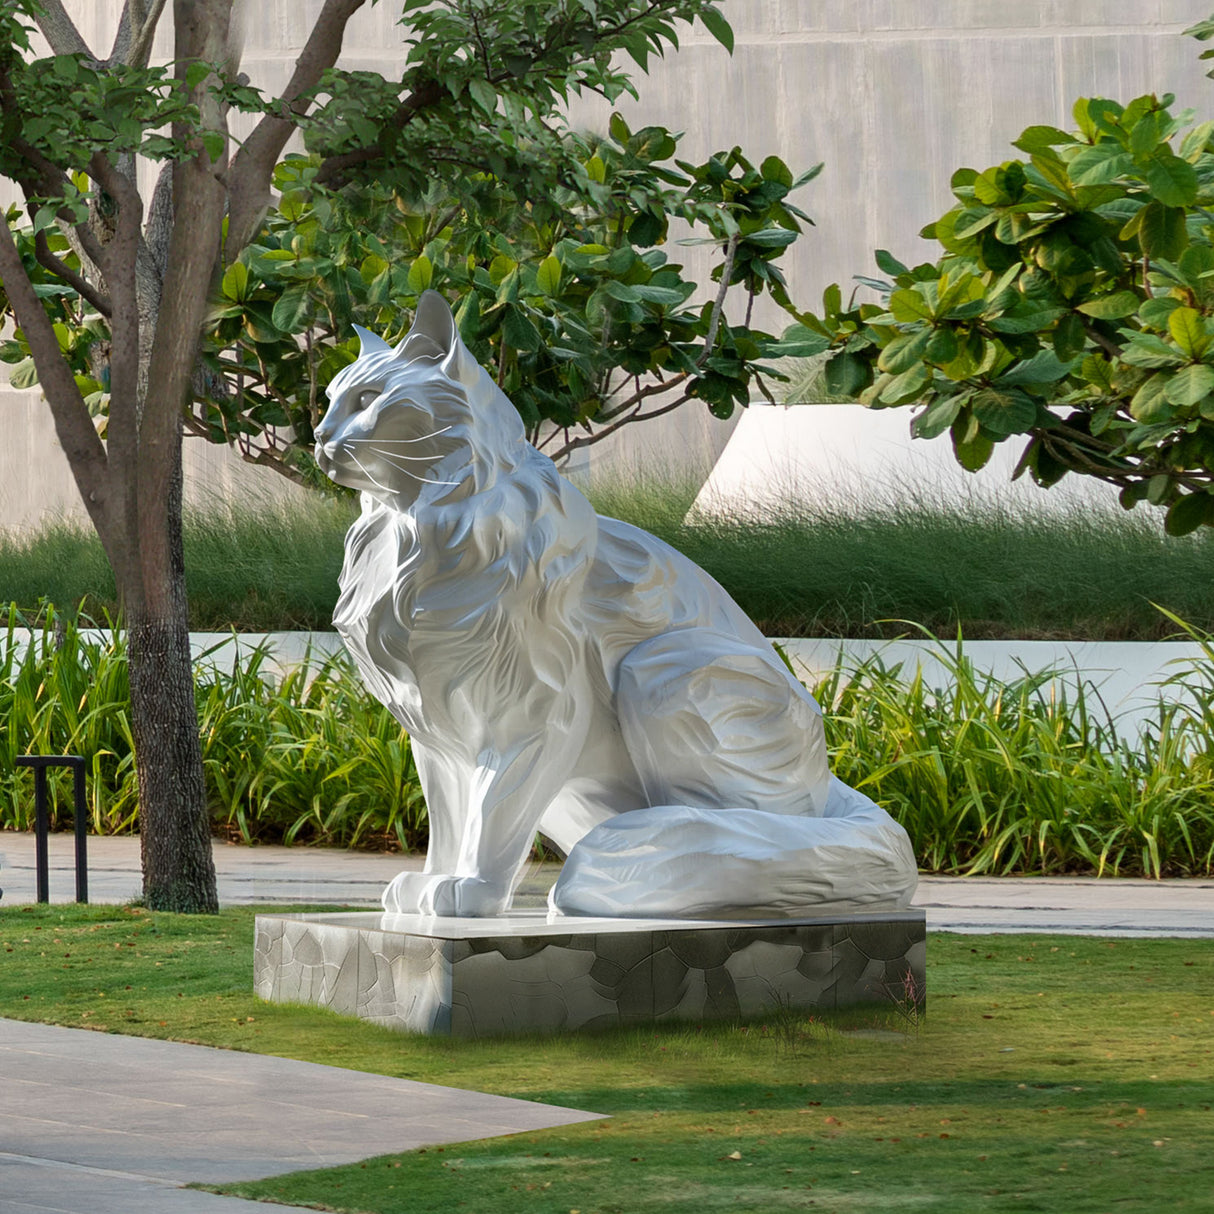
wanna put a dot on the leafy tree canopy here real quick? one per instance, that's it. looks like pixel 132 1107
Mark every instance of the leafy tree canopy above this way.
pixel 553 245
pixel 1072 308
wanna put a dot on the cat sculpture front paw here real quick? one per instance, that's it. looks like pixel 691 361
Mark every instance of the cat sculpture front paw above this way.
pixel 436 894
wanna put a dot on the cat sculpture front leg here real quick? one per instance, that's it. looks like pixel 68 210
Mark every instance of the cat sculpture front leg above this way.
pixel 486 798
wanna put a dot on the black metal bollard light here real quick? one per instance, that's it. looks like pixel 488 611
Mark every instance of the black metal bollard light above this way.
pixel 42 821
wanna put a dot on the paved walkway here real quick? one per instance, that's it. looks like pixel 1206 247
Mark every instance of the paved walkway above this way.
pixel 92 1123
pixel 287 875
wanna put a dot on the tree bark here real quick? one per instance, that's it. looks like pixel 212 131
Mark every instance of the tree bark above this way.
pixel 174 825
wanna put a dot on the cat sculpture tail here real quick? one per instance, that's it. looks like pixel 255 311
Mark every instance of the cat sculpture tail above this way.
pixel 685 862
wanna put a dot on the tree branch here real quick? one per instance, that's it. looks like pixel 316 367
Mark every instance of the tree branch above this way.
pixel 253 165
pixel 641 394
pixel 597 436
pixel 61 269
pixel 719 303
pixel 77 436
pixel 332 171
pixel 118 264
pixel 60 30
pixel 145 31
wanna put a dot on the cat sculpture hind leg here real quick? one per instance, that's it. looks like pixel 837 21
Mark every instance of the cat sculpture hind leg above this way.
pixel 570 672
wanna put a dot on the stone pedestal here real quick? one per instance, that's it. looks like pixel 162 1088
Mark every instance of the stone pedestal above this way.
pixel 528 972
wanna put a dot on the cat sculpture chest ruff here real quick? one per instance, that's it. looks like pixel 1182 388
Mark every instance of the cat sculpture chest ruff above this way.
pixel 568 673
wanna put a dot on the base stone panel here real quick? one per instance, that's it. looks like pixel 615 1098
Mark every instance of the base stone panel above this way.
pixel 528 972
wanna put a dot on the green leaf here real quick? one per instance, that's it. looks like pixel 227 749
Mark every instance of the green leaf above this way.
pixel 1097 164
pixel 195 74
pixel 906 387
pixel 771 238
pixel 1034 138
pixel 421 274
pixel 1171 180
pixel 291 308
pixel 905 351
pixel 942 348
pixel 236 281
pixel 1070 337
pixel 909 306
pixel 937 417
pixel 518 331
pixel 844 375
pixel 718 27
pixel 621 291
pixel 1189 385
pixel 1003 413
pixel 596 170
pixel 619 129
pixel 23 375
pixel 1161 231
pixel 1148 350
pixel 1150 403
pixel 1188 332
pixel 973 454
pixel 798 342
pixel 665 296
pixel 1155 312
pixel 213 143
pixel 1044 367
pixel 1111 307
pixel 483 93
pixel 888 263
pixel 645 229
pixel 1188 513
pixel 774 169
pixel 548 277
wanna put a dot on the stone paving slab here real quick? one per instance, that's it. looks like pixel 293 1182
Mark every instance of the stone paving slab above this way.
pixel 190 1113
pixel 40 1186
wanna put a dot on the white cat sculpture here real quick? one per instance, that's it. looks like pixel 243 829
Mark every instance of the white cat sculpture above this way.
pixel 564 672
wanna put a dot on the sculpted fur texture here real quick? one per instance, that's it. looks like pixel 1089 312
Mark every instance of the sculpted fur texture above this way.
pixel 565 672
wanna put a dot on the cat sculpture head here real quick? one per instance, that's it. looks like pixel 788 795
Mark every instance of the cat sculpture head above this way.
pixel 419 423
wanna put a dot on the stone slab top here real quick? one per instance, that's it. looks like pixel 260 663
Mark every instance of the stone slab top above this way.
pixel 520 923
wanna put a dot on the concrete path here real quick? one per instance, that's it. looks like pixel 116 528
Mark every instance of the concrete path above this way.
pixel 286 875
pixel 92 1123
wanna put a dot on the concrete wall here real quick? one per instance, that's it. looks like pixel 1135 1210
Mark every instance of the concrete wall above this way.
pixel 892 94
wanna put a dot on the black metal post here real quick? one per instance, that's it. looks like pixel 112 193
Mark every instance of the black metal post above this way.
pixel 80 812
pixel 42 822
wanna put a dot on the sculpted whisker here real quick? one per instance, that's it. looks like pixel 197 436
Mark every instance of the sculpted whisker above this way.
pixel 368 474
pixel 394 442
pixel 425 480
pixel 421 459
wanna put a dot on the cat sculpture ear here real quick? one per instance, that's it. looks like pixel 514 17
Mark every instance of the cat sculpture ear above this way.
pixel 435 335
pixel 369 343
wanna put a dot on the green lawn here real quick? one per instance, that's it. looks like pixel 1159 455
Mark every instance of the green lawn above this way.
pixel 1052 1074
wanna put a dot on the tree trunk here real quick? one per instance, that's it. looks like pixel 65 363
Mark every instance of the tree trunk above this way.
pixel 174 824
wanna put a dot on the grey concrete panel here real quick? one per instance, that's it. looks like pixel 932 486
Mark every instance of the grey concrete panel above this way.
pixel 179 1113
pixel 36 1186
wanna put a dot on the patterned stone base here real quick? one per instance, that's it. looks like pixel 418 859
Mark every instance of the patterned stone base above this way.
pixel 523 972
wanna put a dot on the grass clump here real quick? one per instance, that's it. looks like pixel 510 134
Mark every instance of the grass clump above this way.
pixel 1051 1073
pixel 1028 776
pixel 309 757
pixel 987 567
pixel 810 569
pixel 259 568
